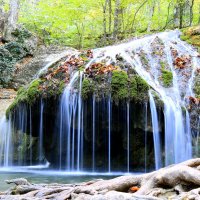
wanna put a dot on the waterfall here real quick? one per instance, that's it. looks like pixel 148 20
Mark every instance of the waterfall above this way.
pixel 30 139
pixel 109 134
pixel 6 150
pixel 41 131
pixel 67 117
pixel 93 132
pixel 128 136
pixel 88 133
pixel 145 138
pixel 197 137
pixel 188 136
pixel 79 141
pixel 156 134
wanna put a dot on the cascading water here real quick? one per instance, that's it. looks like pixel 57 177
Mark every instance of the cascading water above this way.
pixel 88 134
pixel 109 134
pixel 93 132
pixel 156 134
pixel 128 136
pixel 5 143
pixel 40 148
pixel 178 141
pixel 145 137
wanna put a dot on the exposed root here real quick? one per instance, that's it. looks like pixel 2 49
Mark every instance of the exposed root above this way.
pixel 181 181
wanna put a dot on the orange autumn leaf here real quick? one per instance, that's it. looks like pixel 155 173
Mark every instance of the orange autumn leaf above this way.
pixel 134 189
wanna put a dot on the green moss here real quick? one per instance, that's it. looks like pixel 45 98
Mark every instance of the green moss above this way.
pixel 119 85
pixel 192 36
pixel 133 87
pixel 196 88
pixel 27 95
pixel 162 64
pixel 61 87
pixel 21 34
pixel 184 37
pixel 167 77
pixel 87 88
pixel 33 91
pixel 21 96
pixel 142 88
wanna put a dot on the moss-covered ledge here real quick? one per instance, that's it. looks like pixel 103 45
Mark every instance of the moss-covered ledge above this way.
pixel 192 36
pixel 31 93
pixel 118 83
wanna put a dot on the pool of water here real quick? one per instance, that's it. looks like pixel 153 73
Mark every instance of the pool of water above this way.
pixel 42 175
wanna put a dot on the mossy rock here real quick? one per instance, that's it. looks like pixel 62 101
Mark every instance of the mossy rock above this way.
pixel 33 91
pixel 133 87
pixel 192 36
pixel 167 77
pixel 142 89
pixel 26 95
pixel 17 50
pixel 5 55
pixel 119 85
pixel 21 34
pixel 6 71
pixel 87 88
pixel 196 88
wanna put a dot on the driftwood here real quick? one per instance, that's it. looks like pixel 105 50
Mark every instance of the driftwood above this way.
pixel 181 181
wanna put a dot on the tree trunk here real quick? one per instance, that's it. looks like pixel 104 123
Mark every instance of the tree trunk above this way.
pixel 181 14
pixel 191 12
pixel 110 15
pixel 116 19
pixel 2 20
pixel 104 20
pixel 199 15
pixel 152 8
pixel 176 19
pixel 11 23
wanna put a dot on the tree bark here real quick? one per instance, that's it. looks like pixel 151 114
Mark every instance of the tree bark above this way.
pixel 116 19
pixel 191 12
pixel 104 19
pixel 11 23
pixel 110 15
pixel 152 8
pixel 199 15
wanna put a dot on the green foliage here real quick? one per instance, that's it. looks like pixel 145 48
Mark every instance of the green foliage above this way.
pixel 87 88
pixel 79 23
pixel 119 85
